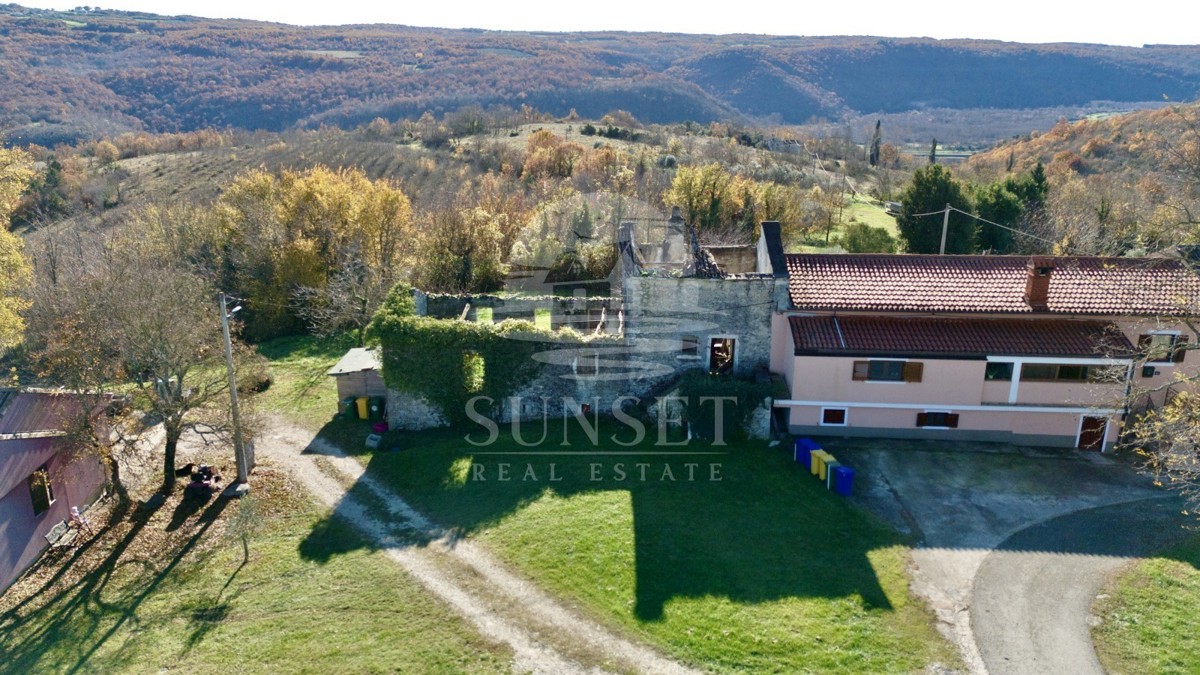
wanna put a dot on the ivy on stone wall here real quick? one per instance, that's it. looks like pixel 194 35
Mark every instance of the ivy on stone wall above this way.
pixel 450 361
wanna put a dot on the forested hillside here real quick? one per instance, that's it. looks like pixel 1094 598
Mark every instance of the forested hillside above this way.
pixel 83 74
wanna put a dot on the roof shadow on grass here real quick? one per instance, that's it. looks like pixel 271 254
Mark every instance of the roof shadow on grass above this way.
pixel 757 530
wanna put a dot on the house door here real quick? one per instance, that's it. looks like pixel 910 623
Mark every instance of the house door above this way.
pixel 720 355
pixel 1091 433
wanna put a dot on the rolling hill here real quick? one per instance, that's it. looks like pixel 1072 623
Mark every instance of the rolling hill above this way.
pixel 88 73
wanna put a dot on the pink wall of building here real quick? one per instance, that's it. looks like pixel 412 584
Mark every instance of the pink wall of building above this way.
pixel 22 534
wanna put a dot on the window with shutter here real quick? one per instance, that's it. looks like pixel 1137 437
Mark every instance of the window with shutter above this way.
pixel 887 370
pixel 861 370
pixel 937 419
pixel 913 370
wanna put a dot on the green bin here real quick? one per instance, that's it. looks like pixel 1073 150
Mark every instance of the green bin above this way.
pixel 347 408
pixel 375 408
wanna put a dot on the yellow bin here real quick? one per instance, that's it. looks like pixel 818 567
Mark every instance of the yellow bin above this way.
pixel 814 461
pixel 823 463
pixel 361 402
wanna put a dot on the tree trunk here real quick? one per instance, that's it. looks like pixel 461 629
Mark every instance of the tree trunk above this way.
pixel 169 460
pixel 114 477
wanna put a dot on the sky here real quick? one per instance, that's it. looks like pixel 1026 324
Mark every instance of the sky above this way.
pixel 1035 21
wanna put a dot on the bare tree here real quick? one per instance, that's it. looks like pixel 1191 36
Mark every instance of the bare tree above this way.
pixel 136 315
pixel 347 302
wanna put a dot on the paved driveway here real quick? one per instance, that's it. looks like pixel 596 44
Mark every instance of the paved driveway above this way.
pixel 1013 543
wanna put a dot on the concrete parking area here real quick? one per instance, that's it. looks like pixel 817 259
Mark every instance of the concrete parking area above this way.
pixel 1012 543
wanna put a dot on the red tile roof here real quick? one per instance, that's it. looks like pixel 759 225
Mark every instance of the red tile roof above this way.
pixel 873 335
pixel 977 283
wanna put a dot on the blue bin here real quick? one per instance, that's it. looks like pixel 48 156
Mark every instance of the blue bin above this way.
pixel 804 449
pixel 843 480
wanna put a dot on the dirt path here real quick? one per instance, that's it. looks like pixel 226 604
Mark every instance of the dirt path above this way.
pixel 544 635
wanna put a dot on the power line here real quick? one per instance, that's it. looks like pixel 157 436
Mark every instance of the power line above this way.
pixel 942 212
pixel 1005 227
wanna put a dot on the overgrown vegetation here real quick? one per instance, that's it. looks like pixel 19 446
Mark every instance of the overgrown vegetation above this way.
pixel 449 362
pixel 741 396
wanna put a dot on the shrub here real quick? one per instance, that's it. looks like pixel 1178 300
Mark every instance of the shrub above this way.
pixel 701 417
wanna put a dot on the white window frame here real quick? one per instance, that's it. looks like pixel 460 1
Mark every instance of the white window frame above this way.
pixel 1175 334
pixel 48 487
pixel 708 345
pixel 845 417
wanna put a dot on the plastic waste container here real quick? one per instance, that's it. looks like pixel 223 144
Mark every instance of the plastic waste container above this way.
pixel 843 480
pixel 361 402
pixel 802 453
pixel 823 458
pixel 830 468
pixel 347 408
pixel 375 408
pixel 814 463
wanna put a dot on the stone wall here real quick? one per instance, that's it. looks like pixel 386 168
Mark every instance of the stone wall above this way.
pixel 661 312
pixel 581 313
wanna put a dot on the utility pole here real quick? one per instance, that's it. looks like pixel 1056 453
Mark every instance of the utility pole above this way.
pixel 945 228
pixel 241 486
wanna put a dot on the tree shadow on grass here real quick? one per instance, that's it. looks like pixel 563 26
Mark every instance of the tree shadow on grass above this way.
pixel 106 599
pixel 743 523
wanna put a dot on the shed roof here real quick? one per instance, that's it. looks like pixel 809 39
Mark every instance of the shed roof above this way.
pixel 31 412
pixel 990 284
pixel 357 360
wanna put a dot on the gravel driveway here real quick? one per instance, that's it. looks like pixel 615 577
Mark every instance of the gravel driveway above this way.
pixel 1012 543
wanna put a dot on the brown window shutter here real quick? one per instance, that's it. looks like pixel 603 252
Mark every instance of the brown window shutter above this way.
pixel 861 369
pixel 1180 349
pixel 922 419
pixel 913 370
pixel 952 420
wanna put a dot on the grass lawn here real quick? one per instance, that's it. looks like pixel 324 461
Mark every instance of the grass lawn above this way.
pixel 1151 615
pixel 300 388
pixel 858 209
pixel 170 590
pixel 760 571
pixel 869 212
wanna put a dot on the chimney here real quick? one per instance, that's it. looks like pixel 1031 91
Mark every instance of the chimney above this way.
pixel 770 258
pixel 1037 282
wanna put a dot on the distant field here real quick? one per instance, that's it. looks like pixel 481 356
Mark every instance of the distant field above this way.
pixel 335 53
pixel 870 212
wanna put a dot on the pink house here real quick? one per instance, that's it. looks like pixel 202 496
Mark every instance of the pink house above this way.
pixel 38 483
pixel 1033 350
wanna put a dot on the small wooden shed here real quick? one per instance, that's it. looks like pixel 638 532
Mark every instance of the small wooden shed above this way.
pixel 357 374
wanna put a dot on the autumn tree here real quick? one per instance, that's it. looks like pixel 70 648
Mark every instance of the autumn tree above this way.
pixel 141 311
pixel 304 230
pixel 461 252
pixel 932 188
pixel 705 194
pixel 15 174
